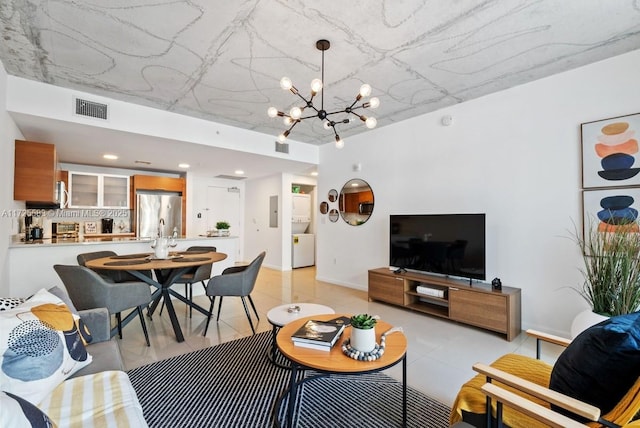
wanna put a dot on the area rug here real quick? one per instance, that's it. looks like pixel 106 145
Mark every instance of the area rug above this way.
pixel 235 385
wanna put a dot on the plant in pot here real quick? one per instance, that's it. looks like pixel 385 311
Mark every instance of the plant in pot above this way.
pixel 611 270
pixel 363 332
pixel 223 228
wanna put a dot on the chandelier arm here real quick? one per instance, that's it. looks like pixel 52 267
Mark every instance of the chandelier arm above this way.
pixel 336 112
pixel 295 122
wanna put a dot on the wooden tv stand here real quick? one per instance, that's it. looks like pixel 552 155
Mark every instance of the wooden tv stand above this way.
pixel 477 304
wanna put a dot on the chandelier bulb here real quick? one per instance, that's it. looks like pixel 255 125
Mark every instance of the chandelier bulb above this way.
pixel 326 124
pixel 365 90
pixel 286 84
pixel 374 102
pixel 283 137
pixel 272 112
pixel 295 113
pixel 316 86
pixel 287 120
pixel 371 122
pixel 339 142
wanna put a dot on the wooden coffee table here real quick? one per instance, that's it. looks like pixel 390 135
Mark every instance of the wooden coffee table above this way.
pixel 335 361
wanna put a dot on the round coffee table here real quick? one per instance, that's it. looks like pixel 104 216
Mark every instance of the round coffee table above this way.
pixel 281 315
pixel 335 361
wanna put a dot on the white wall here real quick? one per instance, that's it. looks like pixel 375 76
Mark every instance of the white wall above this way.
pixel 514 155
pixel 8 224
pixel 258 235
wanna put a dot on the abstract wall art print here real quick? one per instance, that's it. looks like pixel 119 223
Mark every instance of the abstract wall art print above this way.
pixel 611 208
pixel 610 155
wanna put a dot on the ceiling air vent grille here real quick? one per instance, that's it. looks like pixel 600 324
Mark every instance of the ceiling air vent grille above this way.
pixel 282 147
pixel 230 177
pixel 91 109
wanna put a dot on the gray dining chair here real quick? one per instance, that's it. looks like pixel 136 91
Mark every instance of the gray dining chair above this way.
pixel 114 275
pixel 235 281
pixel 199 274
pixel 88 290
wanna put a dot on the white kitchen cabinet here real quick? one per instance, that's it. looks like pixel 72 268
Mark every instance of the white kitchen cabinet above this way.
pixel 87 190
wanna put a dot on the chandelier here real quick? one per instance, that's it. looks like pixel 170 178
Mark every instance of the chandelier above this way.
pixel 328 119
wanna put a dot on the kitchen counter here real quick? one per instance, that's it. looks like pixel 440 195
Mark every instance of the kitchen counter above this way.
pixel 105 238
pixel 30 265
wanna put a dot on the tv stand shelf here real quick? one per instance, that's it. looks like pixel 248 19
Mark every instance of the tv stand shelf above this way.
pixel 476 304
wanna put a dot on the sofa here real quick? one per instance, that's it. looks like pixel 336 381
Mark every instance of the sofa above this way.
pixel 59 366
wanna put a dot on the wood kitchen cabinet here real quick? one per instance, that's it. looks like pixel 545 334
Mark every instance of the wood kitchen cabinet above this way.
pixel 35 172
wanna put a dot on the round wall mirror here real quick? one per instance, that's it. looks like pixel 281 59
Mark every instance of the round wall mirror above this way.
pixel 356 202
pixel 333 215
pixel 333 195
pixel 324 207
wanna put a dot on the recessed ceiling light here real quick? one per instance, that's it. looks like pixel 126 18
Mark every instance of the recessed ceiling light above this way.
pixel 239 172
pixel 184 165
pixel 314 173
pixel 110 157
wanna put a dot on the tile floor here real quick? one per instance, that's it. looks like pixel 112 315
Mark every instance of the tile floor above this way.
pixel 439 356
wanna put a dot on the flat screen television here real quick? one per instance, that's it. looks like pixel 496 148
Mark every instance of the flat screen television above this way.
pixel 445 244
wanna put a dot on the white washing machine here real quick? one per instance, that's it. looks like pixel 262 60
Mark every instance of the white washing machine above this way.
pixel 303 250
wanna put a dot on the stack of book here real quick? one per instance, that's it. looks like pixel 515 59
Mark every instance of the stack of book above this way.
pixel 320 335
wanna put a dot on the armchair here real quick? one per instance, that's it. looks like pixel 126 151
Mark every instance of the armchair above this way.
pixel 235 281
pixel 88 290
pixel 595 381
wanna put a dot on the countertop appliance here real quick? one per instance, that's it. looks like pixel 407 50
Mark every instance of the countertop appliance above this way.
pixel 107 225
pixel 303 250
pixel 152 207
pixel 65 230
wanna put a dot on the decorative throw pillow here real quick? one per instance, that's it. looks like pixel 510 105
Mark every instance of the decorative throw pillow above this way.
pixel 7 303
pixel 601 363
pixel 85 334
pixel 39 347
pixel 18 412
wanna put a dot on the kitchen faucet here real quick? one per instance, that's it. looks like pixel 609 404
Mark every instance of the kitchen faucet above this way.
pixel 161 227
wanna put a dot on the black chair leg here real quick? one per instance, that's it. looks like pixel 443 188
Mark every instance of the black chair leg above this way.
pixel 144 325
pixel 119 321
pixel 254 307
pixel 246 311
pixel 206 327
pixel 219 308
pixel 188 290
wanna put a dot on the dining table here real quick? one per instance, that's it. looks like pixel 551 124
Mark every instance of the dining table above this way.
pixel 166 271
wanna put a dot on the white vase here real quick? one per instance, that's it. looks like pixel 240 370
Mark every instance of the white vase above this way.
pixel 363 340
pixel 584 320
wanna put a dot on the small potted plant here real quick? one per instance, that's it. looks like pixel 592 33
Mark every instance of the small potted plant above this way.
pixel 363 332
pixel 223 228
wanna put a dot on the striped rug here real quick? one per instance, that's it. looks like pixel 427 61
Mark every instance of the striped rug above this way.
pixel 234 385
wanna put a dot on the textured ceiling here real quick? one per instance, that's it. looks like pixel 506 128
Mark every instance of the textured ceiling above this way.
pixel 222 60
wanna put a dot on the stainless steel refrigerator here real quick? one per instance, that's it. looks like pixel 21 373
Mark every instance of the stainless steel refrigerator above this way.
pixel 151 207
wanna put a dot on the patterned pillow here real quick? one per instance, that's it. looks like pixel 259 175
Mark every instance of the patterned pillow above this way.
pixel 7 303
pixel 39 347
pixel 18 412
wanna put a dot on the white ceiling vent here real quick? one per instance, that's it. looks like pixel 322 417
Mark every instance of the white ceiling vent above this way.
pixel 90 109
pixel 230 177
pixel 282 147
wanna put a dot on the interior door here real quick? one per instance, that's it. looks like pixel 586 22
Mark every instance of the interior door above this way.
pixel 223 204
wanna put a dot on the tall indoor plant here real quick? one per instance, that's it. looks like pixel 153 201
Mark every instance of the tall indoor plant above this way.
pixel 611 267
